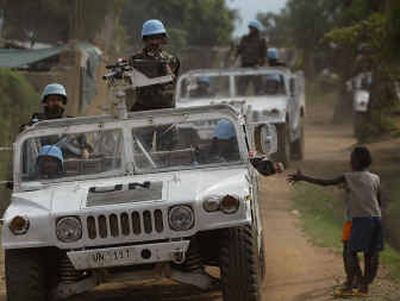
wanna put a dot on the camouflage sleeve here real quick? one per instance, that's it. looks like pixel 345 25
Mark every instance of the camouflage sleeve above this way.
pixel 35 118
pixel 174 64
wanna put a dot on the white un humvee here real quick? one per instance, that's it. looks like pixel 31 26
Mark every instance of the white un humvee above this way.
pixel 271 95
pixel 155 195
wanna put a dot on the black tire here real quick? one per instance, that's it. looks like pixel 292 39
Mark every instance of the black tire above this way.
pixel 25 275
pixel 283 154
pixel 240 271
pixel 297 147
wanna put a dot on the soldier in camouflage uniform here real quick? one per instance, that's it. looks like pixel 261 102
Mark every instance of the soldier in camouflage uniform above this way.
pixel 154 61
pixel 252 49
pixel 54 98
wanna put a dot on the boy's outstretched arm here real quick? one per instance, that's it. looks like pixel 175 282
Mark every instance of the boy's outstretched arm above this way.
pixel 299 176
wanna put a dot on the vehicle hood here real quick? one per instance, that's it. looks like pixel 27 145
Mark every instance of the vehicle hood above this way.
pixel 269 103
pixel 174 187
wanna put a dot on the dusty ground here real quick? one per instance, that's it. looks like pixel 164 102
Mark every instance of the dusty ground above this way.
pixel 296 269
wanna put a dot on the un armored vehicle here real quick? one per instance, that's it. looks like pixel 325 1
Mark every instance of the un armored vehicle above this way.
pixel 155 195
pixel 272 95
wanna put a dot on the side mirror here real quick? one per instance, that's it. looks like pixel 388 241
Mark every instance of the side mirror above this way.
pixel 265 166
pixel 266 139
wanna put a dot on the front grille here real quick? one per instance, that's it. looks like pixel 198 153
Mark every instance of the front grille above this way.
pixel 125 224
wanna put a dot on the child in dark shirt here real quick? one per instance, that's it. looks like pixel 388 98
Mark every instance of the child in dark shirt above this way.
pixel 363 206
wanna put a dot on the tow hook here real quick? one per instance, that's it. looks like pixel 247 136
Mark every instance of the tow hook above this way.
pixel 178 257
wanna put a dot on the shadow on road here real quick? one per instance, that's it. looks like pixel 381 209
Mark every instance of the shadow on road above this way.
pixel 148 292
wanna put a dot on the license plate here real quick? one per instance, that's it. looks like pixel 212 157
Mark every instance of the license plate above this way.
pixel 127 255
pixel 113 257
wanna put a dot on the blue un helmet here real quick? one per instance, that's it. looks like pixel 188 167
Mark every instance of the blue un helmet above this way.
pixel 153 27
pixel 272 54
pixel 51 151
pixel 54 89
pixel 225 130
pixel 256 24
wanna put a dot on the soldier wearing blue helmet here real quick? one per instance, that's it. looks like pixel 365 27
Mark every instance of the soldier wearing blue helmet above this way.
pixel 251 50
pixel 224 143
pixel 252 47
pixel 154 61
pixel 53 100
pixel 203 88
pixel 50 162
pixel 273 57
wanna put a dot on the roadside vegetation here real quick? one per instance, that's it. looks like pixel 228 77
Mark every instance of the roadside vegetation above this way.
pixel 17 102
pixel 344 38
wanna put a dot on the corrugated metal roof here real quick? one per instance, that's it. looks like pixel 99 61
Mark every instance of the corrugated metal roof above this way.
pixel 15 58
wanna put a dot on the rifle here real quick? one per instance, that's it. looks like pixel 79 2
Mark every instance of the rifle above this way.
pixel 123 76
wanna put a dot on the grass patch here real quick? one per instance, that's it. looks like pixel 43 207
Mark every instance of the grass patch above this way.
pixel 322 216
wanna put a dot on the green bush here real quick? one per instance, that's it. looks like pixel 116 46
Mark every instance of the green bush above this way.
pixel 18 100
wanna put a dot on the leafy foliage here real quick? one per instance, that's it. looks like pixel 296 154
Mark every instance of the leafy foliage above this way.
pixel 370 33
pixel 18 100
pixel 348 36
pixel 56 20
pixel 196 22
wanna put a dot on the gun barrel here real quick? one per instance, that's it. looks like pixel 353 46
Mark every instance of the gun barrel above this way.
pixel 115 74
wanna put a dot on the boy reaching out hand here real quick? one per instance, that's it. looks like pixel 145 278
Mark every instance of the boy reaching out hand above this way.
pixel 363 209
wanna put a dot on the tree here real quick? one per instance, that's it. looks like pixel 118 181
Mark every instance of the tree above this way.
pixel 56 20
pixel 354 35
pixel 196 22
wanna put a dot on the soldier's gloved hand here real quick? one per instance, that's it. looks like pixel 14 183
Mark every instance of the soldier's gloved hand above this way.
pixel 264 166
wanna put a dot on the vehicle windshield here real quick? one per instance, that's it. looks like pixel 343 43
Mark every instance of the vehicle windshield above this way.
pixel 201 86
pixel 185 145
pixel 260 84
pixel 61 156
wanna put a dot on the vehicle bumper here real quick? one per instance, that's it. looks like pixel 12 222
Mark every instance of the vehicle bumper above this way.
pixel 128 255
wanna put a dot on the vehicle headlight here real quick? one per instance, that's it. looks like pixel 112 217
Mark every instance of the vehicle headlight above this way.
pixel 211 204
pixel 69 229
pixel 19 225
pixel 230 204
pixel 181 218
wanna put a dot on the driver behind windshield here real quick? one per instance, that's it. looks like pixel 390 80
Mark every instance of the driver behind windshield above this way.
pixel 273 85
pixel 50 162
pixel 224 144
pixel 203 88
